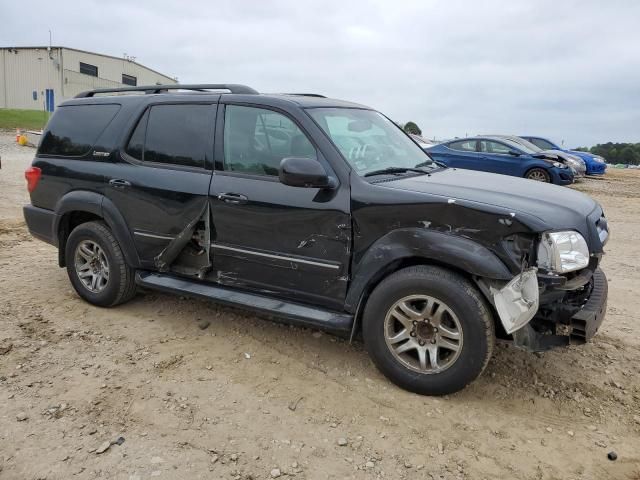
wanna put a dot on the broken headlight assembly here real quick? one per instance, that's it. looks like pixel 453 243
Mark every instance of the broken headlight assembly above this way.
pixel 563 252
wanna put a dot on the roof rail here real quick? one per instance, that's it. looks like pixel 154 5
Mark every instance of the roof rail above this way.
pixel 150 89
pixel 307 95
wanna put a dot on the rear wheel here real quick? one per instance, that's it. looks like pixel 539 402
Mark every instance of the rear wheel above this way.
pixel 539 175
pixel 96 266
pixel 428 330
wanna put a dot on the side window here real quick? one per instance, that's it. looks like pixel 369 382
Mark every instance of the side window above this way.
pixel 173 134
pixel 256 140
pixel 74 129
pixel 464 145
pixel 494 147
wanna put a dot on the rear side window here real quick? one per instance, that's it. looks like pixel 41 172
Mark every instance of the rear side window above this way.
pixel 464 146
pixel 74 129
pixel 173 134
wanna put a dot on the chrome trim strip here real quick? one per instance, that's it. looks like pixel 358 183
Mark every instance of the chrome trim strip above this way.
pixel 153 235
pixel 277 257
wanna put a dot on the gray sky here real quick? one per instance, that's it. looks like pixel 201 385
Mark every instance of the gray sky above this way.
pixel 565 69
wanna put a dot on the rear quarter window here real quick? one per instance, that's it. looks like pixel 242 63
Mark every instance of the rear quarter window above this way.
pixel 73 130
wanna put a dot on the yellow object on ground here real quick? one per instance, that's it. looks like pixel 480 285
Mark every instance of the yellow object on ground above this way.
pixel 22 140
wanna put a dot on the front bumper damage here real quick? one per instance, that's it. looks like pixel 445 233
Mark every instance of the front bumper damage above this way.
pixel 547 316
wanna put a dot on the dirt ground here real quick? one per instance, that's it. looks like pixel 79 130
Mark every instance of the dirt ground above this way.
pixel 247 398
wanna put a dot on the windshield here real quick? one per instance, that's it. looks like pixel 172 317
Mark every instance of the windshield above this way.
pixel 544 144
pixel 368 140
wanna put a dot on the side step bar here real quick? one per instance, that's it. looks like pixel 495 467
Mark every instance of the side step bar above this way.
pixel 294 313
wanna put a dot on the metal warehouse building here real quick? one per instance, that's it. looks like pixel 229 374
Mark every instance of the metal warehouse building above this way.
pixel 39 78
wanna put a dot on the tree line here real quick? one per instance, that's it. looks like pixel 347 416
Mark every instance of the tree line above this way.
pixel 628 153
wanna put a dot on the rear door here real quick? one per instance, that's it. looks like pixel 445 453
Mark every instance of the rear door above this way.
pixel 268 236
pixel 161 180
pixel 462 154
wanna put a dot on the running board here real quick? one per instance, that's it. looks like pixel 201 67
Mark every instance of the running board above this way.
pixel 294 313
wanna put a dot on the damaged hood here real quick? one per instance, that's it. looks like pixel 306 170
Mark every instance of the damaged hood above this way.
pixel 548 206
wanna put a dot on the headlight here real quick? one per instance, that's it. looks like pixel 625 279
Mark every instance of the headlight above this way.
pixel 563 252
pixel 559 165
pixel 599 159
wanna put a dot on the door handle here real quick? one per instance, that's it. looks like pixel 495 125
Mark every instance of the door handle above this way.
pixel 118 183
pixel 234 198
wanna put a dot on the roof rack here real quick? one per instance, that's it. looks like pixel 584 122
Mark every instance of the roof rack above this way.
pixel 151 89
pixel 307 95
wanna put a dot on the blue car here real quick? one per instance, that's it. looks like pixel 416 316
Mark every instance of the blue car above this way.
pixel 497 155
pixel 596 165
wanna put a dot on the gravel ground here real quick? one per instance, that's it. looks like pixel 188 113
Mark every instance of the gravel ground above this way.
pixel 169 387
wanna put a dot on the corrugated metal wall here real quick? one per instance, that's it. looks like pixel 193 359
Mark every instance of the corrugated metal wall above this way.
pixel 25 70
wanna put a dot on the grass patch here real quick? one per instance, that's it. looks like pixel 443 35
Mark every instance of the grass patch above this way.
pixel 26 119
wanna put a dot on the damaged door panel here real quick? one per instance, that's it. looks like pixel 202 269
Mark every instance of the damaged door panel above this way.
pixel 285 240
pixel 163 200
pixel 269 236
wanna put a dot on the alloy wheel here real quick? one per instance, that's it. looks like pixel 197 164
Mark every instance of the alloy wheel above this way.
pixel 92 266
pixel 423 334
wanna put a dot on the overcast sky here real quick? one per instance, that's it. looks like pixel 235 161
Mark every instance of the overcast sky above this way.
pixel 565 69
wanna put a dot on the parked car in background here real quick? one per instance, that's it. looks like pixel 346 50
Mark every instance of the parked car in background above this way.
pixel 596 165
pixel 575 163
pixel 498 155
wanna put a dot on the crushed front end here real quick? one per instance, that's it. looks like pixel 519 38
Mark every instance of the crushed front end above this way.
pixel 570 301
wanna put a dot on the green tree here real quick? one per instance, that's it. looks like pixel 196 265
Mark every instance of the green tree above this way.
pixel 412 127
pixel 628 155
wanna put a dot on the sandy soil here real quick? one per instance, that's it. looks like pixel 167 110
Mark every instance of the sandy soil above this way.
pixel 246 398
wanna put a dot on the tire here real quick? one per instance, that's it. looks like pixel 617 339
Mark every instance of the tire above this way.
pixel 94 242
pixel 460 307
pixel 538 174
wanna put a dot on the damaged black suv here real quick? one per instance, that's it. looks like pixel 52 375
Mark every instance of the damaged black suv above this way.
pixel 320 212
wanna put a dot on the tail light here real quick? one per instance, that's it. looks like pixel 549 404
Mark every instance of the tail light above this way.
pixel 32 174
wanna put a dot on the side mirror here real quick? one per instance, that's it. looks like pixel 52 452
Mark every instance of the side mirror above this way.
pixel 304 172
pixel 514 153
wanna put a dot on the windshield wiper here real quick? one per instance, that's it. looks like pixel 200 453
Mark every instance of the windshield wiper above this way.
pixel 431 163
pixel 392 170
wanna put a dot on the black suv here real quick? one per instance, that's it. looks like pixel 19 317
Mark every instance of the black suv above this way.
pixel 320 212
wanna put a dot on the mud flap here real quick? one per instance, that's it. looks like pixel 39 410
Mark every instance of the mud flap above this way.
pixel 165 258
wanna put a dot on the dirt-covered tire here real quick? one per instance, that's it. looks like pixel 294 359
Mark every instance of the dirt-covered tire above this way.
pixel 96 266
pixel 539 175
pixel 429 306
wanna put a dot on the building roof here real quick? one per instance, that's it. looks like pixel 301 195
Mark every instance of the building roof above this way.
pixel 59 47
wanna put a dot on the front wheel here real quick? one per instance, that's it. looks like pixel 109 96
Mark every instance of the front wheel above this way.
pixel 96 266
pixel 539 175
pixel 428 330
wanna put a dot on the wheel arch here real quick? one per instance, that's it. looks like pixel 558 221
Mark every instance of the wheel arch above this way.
pixel 79 207
pixel 539 167
pixel 410 247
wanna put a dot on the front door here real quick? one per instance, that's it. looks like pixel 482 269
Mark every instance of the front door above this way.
pixel 268 236
pixel 496 157
pixel 161 181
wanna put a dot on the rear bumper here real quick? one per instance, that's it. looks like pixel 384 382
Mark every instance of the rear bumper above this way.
pixel 564 322
pixel 41 223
